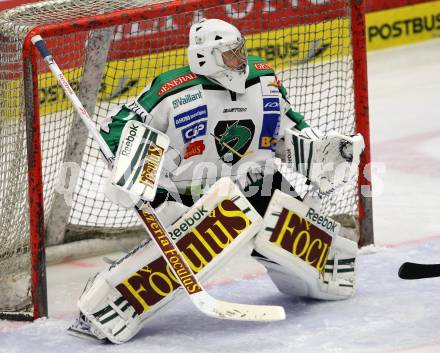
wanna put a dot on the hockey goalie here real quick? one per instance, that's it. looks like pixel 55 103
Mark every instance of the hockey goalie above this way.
pixel 212 131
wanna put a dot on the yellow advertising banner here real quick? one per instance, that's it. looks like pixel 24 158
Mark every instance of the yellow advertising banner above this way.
pixel 403 25
pixel 283 47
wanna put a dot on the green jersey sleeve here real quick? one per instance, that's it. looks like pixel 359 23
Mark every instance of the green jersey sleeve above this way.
pixel 150 106
pixel 111 130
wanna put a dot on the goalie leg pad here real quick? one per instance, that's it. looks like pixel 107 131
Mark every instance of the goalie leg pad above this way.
pixel 303 253
pixel 82 327
pixel 168 212
pixel 141 284
pixel 108 312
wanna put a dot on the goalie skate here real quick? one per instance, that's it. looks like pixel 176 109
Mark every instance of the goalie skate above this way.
pixel 83 328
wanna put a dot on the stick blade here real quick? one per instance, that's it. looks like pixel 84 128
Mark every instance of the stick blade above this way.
pixel 233 311
pixel 410 270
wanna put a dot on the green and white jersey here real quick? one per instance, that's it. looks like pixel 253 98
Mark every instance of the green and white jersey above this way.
pixel 214 131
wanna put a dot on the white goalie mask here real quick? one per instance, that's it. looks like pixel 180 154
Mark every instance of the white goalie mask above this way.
pixel 217 50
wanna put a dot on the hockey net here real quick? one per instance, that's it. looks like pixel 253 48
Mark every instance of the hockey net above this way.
pixel 109 51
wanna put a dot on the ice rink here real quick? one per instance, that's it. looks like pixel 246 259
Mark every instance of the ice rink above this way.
pixel 387 315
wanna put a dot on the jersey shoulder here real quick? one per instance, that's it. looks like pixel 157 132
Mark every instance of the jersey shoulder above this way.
pixel 258 67
pixel 167 84
pixel 175 80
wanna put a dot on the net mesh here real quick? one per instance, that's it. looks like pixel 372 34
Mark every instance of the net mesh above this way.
pixel 309 46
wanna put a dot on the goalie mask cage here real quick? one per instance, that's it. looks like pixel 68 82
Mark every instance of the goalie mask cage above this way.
pixel 51 176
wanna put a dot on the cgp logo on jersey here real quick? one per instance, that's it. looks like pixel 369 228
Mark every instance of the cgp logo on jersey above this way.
pixel 233 138
pixel 193 131
pixel 269 131
pixel 271 104
pixel 190 116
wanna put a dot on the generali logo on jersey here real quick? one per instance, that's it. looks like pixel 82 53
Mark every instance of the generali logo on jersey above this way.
pixel 167 86
pixel 262 66
pixel 302 239
pixel 199 246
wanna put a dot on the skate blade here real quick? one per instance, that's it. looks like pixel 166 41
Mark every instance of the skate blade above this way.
pixel 77 332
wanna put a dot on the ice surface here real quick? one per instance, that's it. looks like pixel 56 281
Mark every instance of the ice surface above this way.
pixel 386 315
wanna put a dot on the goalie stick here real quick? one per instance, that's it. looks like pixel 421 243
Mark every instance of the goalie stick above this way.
pixel 200 298
pixel 411 270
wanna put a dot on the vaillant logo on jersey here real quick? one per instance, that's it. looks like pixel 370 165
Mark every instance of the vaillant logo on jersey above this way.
pixel 191 116
pixel 271 104
pixel 187 98
pixel 234 110
pixel 193 131
pixel 168 86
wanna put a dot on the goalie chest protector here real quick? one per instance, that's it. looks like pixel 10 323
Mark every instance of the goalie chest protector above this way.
pixel 209 124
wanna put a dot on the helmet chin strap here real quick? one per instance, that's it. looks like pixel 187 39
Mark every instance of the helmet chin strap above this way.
pixel 232 80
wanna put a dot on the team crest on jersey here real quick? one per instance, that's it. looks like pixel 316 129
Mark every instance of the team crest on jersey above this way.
pixel 233 138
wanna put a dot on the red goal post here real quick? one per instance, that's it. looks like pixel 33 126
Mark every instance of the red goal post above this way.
pixel 109 51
